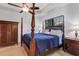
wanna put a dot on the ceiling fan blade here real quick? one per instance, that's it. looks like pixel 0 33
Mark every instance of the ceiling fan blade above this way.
pixel 35 7
pixel 14 5
pixel 21 11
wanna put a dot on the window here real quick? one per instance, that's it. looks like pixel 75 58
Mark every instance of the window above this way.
pixel 54 22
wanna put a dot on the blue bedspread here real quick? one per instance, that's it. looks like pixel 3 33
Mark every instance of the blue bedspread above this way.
pixel 43 41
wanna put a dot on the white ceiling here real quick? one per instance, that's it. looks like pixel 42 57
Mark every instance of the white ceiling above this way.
pixel 43 6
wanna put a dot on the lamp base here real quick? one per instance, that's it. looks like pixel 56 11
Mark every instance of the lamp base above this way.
pixel 76 34
pixel 75 38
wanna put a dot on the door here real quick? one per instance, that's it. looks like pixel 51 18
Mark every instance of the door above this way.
pixel 3 34
pixel 0 34
pixel 8 33
pixel 9 39
pixel 14 32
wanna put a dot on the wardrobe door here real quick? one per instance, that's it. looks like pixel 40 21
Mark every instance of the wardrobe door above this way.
pixel 8 33
pixel 3 34
pixel 9 39
pixel 0 34
pixel 14 32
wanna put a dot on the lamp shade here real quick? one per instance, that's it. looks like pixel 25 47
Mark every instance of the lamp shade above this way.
pixel 75 28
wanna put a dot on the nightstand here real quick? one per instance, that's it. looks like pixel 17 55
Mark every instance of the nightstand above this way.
pixel 71 45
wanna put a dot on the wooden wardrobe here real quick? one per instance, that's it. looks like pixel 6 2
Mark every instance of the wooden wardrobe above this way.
pixel 8 33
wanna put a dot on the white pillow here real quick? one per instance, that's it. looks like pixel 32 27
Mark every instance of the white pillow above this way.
pixel 56 32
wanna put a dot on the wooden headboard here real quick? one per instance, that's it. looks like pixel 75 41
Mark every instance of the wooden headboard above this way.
pixel 56 23
pixel 53 26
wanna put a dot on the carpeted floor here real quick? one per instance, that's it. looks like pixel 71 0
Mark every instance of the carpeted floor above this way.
pixel 60 52
pixel 12 51
pixel 19 51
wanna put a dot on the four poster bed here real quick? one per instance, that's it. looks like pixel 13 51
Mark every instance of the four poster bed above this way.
pixel 40 43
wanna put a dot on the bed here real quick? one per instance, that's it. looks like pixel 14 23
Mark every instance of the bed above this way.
pixel 40 43
pixel 43 41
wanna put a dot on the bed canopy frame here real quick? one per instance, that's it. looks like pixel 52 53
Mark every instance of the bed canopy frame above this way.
pixel 32 50
pixel 32 42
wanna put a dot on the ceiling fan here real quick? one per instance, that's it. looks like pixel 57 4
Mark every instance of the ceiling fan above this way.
pixel 24 7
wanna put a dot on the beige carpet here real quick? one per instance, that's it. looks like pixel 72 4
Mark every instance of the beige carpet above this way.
pixel 19 51
pixel 12 51
pixel 60 52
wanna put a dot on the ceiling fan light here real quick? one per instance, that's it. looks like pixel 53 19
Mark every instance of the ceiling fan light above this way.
pixel 25 9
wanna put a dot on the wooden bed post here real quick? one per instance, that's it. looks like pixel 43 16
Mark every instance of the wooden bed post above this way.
pixel 32 42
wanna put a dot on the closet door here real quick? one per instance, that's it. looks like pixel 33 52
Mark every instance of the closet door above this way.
pixel 3 34
pixel 9 32
pixel 0 34
pixel 12 33
pixel 14 30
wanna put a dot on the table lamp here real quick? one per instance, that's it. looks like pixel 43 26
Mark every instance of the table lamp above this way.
pixel 76 29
